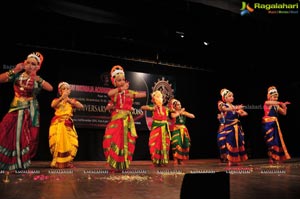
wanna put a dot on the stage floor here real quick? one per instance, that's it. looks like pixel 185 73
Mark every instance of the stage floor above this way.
pixel 255 178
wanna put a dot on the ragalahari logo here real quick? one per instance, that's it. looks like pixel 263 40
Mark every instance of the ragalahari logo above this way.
pixel 270 8
pixel 246 9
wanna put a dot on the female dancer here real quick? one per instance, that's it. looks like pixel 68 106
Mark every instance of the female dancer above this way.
pixel 63 138
pixel 19 128
pixel 120 133
pixel 180 141
pixel 277 150
pixel 230 136
pixel 160 135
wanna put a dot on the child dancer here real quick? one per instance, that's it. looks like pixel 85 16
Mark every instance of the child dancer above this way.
pixel 63 138
pixel 180 141
pixel 230 136
pixel 120 133
pixel 277 150
pixel 159 140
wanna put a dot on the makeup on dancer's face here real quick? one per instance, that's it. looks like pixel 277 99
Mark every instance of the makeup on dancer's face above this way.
pixel 274 97
pixel 120 79
pixel 31 63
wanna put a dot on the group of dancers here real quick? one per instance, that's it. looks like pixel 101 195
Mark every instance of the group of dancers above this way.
pixel 230 135
pixel 19 128
pixel 120 134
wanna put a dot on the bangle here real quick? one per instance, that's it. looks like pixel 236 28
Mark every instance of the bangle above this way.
pixel 11 72
pixel 41 81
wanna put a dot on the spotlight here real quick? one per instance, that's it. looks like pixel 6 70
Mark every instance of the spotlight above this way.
pixel 180 34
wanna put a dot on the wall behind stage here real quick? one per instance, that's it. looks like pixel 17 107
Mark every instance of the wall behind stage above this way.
pixel 197 90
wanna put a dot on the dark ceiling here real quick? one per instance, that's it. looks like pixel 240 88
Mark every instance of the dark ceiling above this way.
pixel 195 34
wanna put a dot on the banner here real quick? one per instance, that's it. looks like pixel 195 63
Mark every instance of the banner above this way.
pixel 95 98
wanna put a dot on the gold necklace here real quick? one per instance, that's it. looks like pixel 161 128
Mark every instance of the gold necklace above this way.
pixel 23 77
pixel 180 118
pixel 122 100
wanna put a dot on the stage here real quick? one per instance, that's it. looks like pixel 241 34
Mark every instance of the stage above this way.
pixel 200 178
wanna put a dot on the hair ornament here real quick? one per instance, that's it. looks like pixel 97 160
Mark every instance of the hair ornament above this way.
pixel 61 84
pixel 37 55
